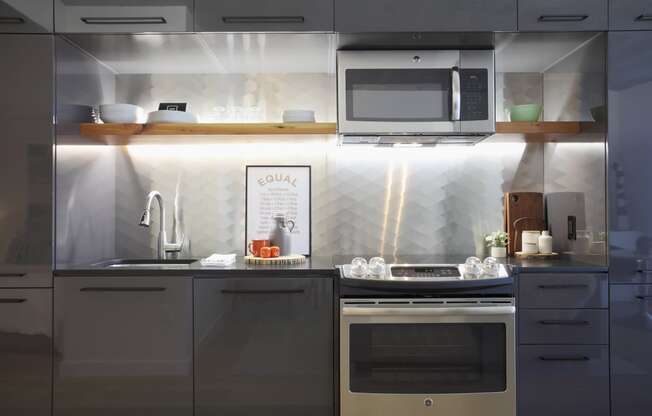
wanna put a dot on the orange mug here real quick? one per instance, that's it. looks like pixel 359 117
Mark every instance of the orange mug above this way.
pixel 256 245
pixel 265 252
pixel 275 251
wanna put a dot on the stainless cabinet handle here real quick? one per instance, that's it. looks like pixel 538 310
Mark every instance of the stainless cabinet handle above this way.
pixel 564 322
pixel 576 286
pixel 456 95
pixel 124 20
pixel 562 18
pixel 262 19
pixel 12 300
pixel 564 358
pixel 9 20
pixel 262 292
pixel 13 275
pixel 644 297
pixel 122 289
pixel 644 18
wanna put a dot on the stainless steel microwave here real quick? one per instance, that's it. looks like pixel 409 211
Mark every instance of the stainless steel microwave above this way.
pixel 438 93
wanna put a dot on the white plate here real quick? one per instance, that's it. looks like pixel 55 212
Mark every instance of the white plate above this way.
pixel 168 116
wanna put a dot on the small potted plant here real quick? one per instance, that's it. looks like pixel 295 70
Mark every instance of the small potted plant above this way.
pixel 498 243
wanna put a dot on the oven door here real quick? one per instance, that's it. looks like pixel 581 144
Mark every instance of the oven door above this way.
pixel 385 92
pixel 419 358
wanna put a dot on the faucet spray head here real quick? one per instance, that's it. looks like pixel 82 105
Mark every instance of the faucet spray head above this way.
pixel 145 219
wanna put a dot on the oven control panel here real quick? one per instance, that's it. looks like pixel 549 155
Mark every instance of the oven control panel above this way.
pixel 426 272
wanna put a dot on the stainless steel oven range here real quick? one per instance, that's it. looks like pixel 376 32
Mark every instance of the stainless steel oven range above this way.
pixel 424 340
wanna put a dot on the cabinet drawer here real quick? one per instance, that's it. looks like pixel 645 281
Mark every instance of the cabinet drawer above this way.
pixel 563 290
pixel 563 380
pixel 564 326
pixel 19 277
pixel 264 15
pixel 25 16
pixel 630 15
pixel 25 351
pixel 562 15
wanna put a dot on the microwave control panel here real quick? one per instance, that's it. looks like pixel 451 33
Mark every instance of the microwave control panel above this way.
pixel 474 93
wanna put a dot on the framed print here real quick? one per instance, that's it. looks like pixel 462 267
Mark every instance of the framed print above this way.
pixel 279 190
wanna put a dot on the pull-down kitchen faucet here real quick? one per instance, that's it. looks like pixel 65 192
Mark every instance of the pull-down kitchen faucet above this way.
pixel 164 247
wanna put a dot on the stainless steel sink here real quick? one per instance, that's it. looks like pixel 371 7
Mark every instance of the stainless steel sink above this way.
pixel 148 263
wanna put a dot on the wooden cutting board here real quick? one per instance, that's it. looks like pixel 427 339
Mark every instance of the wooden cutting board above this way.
pixel 522 211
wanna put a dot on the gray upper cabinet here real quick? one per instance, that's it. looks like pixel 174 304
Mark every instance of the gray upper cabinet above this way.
pixel 630 15
pixel 264 15
pixel 25 352
pixel 26 16
pixel 425 15
pixel 26 102
pixel 123 16
pixel 264 346
pixel 123 346
pixel 562 15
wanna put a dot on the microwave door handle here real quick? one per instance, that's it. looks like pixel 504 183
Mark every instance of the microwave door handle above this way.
pixel 456 95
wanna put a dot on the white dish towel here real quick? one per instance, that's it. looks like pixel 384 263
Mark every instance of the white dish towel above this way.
pixel 218 260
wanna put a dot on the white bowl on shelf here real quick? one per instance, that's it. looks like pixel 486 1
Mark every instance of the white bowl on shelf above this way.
pixel 298 116
pixel 120 113
pixel 169 116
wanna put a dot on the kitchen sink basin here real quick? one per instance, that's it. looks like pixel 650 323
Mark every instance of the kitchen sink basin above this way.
pixel 148 263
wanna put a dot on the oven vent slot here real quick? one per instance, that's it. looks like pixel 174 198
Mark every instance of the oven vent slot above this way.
pixel 428 302
pixel 394 302
pixel 360 303
pixel 462 302
pixel 502 302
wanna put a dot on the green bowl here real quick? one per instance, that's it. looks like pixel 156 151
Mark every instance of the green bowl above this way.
pixel 525 112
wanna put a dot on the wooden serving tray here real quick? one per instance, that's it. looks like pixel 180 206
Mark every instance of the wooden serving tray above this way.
pixel 282 260
pixel 535 256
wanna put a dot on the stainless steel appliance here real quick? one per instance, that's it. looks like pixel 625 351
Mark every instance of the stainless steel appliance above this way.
pixel 424 97
pixel 424 340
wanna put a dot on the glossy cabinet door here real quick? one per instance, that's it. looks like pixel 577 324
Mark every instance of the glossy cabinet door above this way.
pixel 562 15
pixel 630 14
pixel 25 352
pixel 26 162
pixel 425 15
pixel 121 16
pixel 630 157
pixel 264 346
pixel 123 346
pixel 631 350
pixel 26 16
pixel 264 15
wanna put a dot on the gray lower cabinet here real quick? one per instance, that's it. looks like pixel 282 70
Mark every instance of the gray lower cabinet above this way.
pixel 425 15
pixel 26 163
pixel 563 380
pixel 630 14
pixel 631 350
pixel 264 15
pixel 562 15
pixel 25 352
pixel 564 326
pixel 120 16
pixel 563 290
pixel 123 346
pixel 26 16
pixel 264 346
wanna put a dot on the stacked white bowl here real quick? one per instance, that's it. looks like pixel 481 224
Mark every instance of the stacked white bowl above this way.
pixel 121 113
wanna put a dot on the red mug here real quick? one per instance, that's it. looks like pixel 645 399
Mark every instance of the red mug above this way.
pixel 256 245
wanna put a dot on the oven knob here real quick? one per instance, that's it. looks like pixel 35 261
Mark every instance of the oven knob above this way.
pixel 428 402
pixel 416 59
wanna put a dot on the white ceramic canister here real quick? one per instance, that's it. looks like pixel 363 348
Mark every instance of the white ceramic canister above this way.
pixel 499 252
pixel 545 243
pixel 530 242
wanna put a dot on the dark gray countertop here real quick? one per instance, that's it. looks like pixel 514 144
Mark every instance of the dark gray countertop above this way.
pixel 325 266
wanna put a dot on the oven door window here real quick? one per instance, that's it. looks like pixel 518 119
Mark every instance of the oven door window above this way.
pixel 398 95
pixel 427 358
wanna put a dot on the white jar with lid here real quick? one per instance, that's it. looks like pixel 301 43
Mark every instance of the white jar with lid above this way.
pixel 545 243
pixel 530 242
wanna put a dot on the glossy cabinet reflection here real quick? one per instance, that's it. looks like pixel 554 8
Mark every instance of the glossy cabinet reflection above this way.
pixel 25 352
pixel 120 16
pixel 123 346
pixel 424 16
pixel 26 16
pixel 630 14
pixel 264 15
pixel 264 346
pixel 631 356
pixel 26 85
pixel 630 157
pixel 562 15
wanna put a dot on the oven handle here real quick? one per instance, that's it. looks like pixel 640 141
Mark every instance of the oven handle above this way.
pixel 418 311
pixel 456 95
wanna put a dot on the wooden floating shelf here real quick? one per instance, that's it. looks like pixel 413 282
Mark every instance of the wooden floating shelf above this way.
pixel 541 127
pixel 205 129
